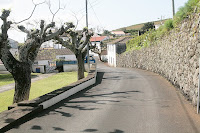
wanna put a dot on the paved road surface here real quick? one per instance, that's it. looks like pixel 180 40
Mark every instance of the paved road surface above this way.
pixel 122 101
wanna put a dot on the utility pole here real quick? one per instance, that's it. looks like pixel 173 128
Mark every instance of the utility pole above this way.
pixel 173 8
pixel 88 57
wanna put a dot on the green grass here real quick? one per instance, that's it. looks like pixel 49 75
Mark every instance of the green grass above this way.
pixel 40 87
pixel 8 79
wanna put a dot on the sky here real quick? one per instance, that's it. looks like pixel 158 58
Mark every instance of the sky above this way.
pixel 102 14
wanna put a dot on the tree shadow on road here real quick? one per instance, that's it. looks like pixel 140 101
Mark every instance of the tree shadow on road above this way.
pixel 73 102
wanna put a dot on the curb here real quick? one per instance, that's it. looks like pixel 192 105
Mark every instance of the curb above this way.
pixel 21 112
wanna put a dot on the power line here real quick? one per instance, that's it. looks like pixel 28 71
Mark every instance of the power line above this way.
pixel 83 9
pixel 95 13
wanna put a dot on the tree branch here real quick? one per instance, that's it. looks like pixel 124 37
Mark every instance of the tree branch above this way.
pixel 59 8
pixel 35 5
pixel 6 24
pixel 87 36
pixel 66 44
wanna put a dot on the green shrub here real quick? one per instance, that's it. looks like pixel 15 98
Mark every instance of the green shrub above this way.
pixel 153 35
pixel 169 24
pixel 185 11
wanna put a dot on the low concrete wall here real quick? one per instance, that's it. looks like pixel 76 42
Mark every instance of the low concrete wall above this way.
pixel 73 67
pixel 22 111
pixel 68 93
pixel 70 67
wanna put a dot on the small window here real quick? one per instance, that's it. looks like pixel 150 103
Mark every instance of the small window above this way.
pixel 62 58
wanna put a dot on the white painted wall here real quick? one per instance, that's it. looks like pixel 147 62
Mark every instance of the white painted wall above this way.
pixel 67 57
pixel 69 92
pixel 72 67
pixel 111 51
pixel 43 62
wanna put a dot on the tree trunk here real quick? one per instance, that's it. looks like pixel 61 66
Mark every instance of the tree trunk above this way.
pixel 81 67
pixel 99 57
pixel 22 79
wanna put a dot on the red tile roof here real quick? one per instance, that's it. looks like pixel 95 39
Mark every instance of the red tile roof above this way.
pixel 97 39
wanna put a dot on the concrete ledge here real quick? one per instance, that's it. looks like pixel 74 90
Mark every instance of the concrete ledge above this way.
pixel 20 112
pixel 15 116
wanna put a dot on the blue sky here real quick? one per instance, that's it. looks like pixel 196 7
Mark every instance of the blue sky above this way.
pixel 103 14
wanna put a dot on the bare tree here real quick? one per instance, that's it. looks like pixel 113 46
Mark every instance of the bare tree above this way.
pixel 54 13
pixel 77 43
pixel 21 69
pixel 98 50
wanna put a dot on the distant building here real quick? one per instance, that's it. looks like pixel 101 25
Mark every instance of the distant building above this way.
pixel 46 56
pixel 118 33
pixel 116 47
pixel 46 59
pixel 97 40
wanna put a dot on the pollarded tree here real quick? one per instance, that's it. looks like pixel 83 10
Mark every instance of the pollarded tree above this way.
pixel 21 69
pixel 77 43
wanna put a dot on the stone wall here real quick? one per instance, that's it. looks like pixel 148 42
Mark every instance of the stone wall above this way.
pixel 175 56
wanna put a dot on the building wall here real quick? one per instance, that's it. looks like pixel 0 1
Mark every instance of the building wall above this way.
pixel 41 67
pixel 66 57
pixel 43 62
pixel 111 54
pixel 72 67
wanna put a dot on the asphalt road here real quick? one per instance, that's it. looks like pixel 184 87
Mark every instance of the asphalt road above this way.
pixel 122 101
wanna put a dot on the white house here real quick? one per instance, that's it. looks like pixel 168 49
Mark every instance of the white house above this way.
pixel 111 51
pixel 116 47
pixel 46 58
pixel 97 40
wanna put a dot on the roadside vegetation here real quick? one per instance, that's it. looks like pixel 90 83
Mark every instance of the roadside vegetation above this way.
pixel 153 35
pixel 40 87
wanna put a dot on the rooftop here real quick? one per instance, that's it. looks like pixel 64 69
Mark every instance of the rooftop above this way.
pixel 50 54
pixel 98 39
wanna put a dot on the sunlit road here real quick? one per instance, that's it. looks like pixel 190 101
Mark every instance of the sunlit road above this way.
pixel 122 101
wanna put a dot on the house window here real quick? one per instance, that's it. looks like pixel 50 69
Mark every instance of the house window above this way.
pixel 36 63
pixel 62 58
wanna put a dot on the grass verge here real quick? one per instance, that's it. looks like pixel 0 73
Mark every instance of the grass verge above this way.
pixel 8 79
pixel 40 87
